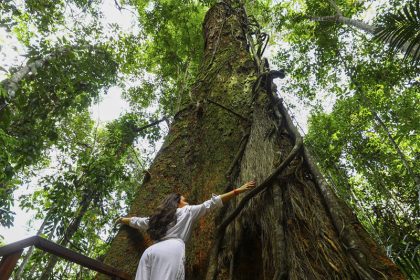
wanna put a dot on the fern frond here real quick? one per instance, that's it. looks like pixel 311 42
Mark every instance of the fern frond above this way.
pixel 409 266
pixel 402 30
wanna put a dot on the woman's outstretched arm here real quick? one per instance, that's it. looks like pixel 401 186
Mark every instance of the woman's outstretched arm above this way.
pixel 229 195
pixel 200 210
pixel 197 210
pixel 122 220
pixel 134 222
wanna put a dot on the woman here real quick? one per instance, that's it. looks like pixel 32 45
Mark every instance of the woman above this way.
pixel 170 227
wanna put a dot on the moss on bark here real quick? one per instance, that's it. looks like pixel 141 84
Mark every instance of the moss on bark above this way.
pixel 201 144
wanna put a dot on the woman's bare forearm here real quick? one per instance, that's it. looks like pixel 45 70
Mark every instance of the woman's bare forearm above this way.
pixel 124 221
pixel 229 195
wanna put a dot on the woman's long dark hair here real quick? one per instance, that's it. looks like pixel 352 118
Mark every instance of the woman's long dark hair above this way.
pixel 164 216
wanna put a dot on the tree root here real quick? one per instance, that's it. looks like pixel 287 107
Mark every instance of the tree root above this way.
pixel 227 109
pixel 212 268
pixel 238 156
pixel 346 233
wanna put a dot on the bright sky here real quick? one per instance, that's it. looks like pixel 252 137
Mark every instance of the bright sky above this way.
pixel 110 107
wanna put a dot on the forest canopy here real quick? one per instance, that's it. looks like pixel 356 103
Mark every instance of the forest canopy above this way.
pixel 351 86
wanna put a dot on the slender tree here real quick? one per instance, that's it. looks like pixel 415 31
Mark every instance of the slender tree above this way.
pixel 29 253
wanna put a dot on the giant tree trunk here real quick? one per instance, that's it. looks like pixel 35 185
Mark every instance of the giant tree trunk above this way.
pixel 296 228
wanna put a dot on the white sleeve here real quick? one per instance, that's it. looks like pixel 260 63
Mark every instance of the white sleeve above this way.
pixel 200 210
pixel 139 223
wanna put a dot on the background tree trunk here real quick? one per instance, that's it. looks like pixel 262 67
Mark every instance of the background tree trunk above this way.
pixel 68 234
pixel 30 251
pixel 296 228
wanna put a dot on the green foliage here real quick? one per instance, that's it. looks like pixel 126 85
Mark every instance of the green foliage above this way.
pixel 67 83
pixel 357 152
pixel 46 123
pixel 44 13
pixel 95 164
pixel 9 10
pixel 169 47
pixel 402 28
pixel 315 44
pixel 66 76
pixel 330 61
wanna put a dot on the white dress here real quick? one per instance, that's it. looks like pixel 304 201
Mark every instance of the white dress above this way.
pixel 164 260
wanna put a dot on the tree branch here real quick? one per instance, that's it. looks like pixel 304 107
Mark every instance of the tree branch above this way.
pixel 11 85
pixel 237 156
pixel 336 8
pixel 138 129
pixel 4 105
pixel 365 27
pixel 345 20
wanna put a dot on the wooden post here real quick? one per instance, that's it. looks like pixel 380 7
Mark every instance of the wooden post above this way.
pixel 8 263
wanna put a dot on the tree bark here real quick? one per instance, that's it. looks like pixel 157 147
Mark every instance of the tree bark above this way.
pixel 294 227
pixel 202 142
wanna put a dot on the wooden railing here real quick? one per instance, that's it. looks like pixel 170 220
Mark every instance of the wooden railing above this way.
pixel 10 255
